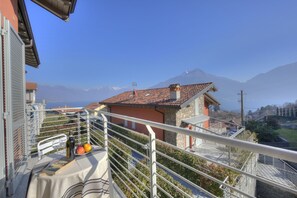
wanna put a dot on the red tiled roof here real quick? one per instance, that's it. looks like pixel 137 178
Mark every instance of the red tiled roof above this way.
pixel 93 106
pixel 31 86
pixel 158 96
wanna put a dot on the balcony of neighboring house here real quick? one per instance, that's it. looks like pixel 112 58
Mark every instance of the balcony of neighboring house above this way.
pixel 31 92
pixel 139 165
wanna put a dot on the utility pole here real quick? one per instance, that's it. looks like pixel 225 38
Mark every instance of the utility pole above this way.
pixel 241 108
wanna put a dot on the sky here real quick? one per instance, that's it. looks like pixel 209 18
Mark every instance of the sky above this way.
pixel 116 42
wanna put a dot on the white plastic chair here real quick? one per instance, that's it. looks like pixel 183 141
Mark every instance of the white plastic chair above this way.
pixel 49 144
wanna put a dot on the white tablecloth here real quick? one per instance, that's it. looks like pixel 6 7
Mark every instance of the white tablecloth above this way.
pixel 86 176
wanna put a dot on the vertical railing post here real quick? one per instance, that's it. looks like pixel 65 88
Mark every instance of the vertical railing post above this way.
pixel 36 124
pixel 153 161
pixel 88 125
pixel 105 129
pixel 78 129
pixel 26 134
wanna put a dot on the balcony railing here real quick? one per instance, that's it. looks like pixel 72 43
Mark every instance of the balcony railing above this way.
pixel 143 166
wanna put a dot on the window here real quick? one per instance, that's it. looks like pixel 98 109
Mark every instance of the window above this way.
pixel 196 106
pixel 133 125
pixel 125 123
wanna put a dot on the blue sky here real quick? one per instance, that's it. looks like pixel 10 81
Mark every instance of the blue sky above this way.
pixel 116 42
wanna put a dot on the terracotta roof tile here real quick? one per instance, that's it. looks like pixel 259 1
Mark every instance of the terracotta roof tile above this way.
pixel 31 86
pixel 156 97
pixel 93 106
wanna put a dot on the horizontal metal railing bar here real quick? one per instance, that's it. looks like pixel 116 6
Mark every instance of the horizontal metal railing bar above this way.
pixel 123 182
pixel 94 124
pixel 96 141
pixel 231 123
pixel 127 138
pixel 172 185
pixel 237 133
pixel 205 175
pixel 291 167
pixel 130 156
pixel 186 180
pixel 262 179
pixel 58 125
pixel 50 131
pixel 57 109
pixel 129 147
pixel 225 180
pixel 140 182
pixel 258 148
pixel 127 129
pixel 47 121
pixel 179 162
pixel 76 136
pixel 97 132
pixel 96 128
pixel 128 164
pixel 128 179
pixel 164 191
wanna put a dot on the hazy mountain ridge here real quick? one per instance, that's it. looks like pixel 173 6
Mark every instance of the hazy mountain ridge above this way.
pixel 276 86
pixel 273 87
pixel 65 94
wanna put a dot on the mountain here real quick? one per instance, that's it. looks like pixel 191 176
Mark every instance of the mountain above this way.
pixel 61 94
pixel 274 87
pixel 228 89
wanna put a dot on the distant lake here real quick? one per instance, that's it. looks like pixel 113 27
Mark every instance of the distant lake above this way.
pixel 50 105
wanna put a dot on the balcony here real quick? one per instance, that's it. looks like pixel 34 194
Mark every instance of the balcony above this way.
pixel 143 166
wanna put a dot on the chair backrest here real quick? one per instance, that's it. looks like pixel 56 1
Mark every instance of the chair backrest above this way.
pixel 49 144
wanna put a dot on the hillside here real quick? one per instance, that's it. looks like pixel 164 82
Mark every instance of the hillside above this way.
pixel 65 94
pixel 274 87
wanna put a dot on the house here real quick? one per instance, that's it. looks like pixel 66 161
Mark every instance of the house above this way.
pixel 17 49
pixel 94 107
pixel 183 106
pixel 31 92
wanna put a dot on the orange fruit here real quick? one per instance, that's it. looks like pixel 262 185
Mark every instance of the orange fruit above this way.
pixel 80 150
pixel 87 147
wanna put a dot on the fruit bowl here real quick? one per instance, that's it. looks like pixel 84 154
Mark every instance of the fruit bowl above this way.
pixel 83 150
pixel 77 154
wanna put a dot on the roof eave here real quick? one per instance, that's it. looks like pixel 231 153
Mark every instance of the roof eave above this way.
pixel 212 99
pixel 203 91
pixel 56 11
pixel 26 34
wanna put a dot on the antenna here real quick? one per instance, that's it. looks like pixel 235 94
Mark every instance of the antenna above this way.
pixel 134 84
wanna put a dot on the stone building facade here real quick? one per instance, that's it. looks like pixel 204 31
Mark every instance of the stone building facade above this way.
pixel 176 117
pixel 172 106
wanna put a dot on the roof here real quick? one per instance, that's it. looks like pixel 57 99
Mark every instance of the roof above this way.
pixel 26 34
pixel 196 119
pixel 31 86
pixel 160 96
pixel 60 8
pixel 211 99
pixel 93 106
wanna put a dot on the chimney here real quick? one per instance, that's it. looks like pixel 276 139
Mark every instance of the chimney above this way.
pixel 174 91
pixel 134 93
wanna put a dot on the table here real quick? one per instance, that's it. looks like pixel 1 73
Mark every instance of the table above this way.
pixel 86 176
